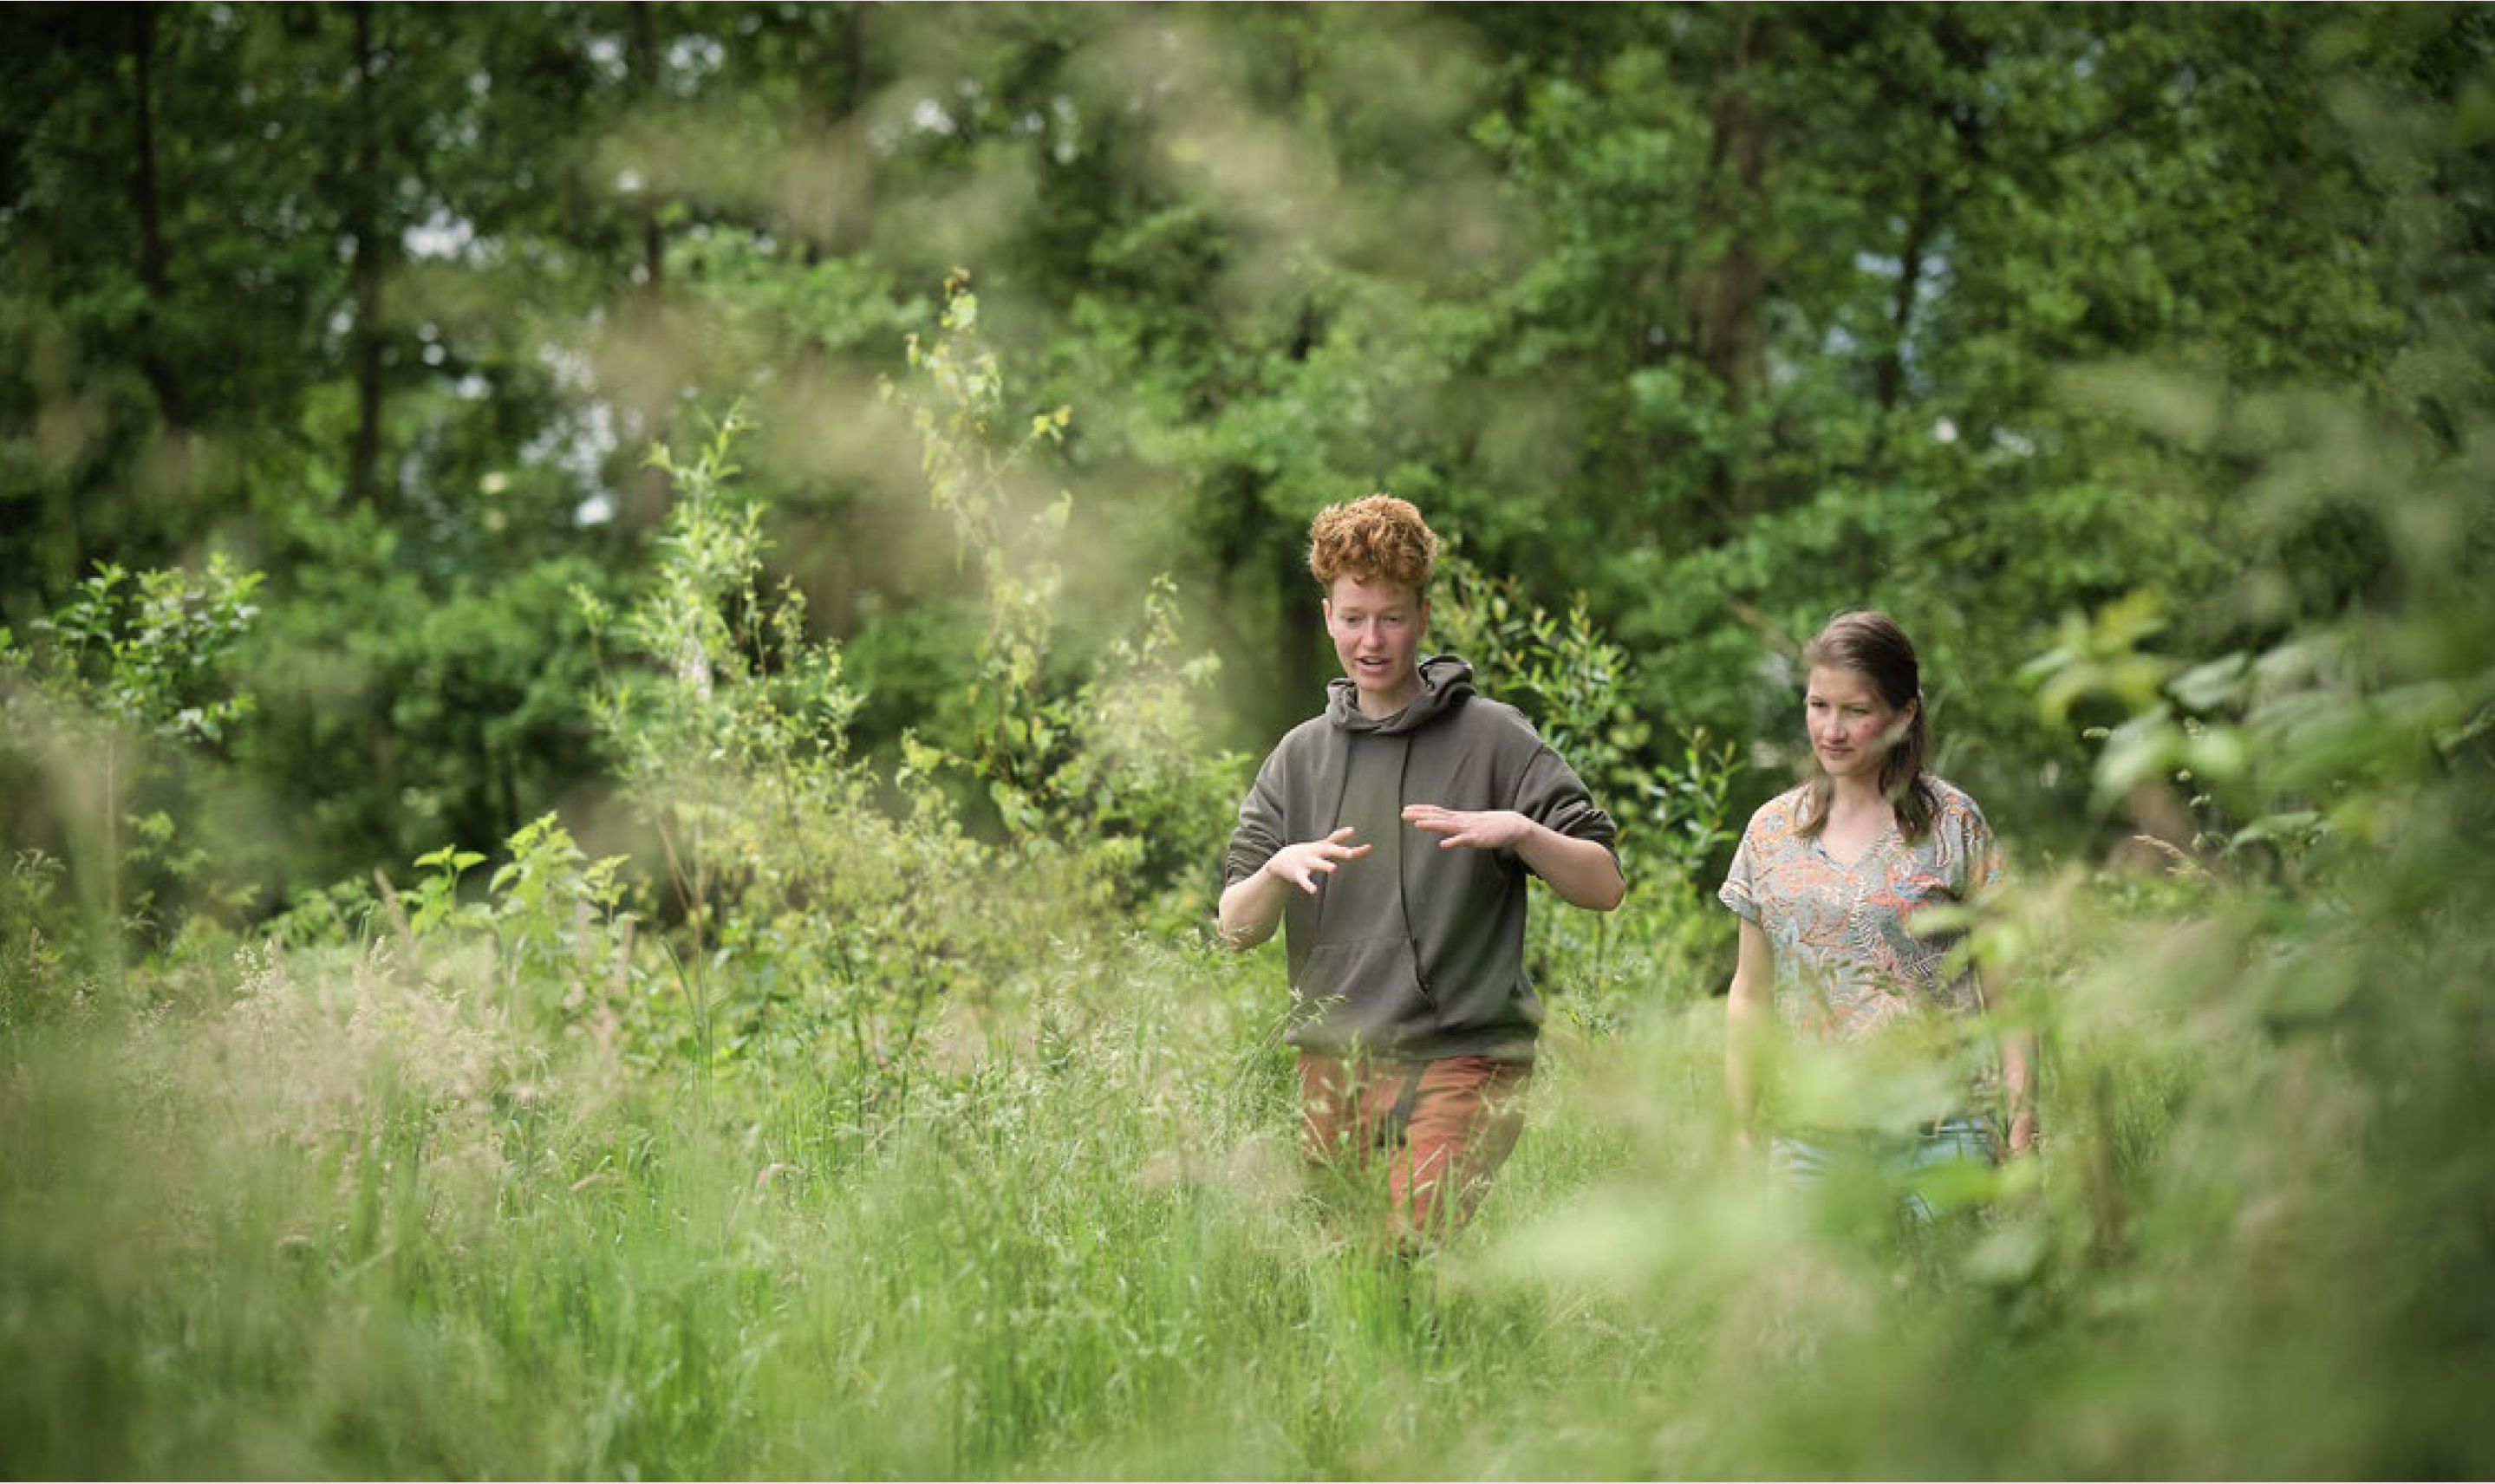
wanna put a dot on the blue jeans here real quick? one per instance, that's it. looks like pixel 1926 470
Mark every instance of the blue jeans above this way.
pixel 1805 1159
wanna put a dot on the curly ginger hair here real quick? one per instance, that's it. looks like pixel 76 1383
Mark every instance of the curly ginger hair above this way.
pixel 1369 539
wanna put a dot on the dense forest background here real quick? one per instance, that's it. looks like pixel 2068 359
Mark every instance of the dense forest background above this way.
pixel 599 599
pixel 1722 318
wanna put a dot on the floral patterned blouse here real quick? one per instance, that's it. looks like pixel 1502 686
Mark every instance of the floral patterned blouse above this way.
pixel 1847 960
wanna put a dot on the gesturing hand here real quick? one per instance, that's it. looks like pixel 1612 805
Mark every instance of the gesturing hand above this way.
pixel 1485 829
pixel 1299 864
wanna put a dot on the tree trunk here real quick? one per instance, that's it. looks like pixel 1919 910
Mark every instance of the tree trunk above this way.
pixel 645 76
pixel 1727 296
pixel 367 271
pixel 646 491
pixel 853 74
pixel 149 210
pixel 1888 378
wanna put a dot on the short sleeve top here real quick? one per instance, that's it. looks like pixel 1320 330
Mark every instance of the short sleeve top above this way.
pixel 1848 960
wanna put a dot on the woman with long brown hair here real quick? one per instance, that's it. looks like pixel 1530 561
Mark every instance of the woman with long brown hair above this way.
pixel 1828 880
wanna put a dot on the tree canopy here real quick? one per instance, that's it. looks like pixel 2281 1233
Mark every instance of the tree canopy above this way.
pixel 1721 318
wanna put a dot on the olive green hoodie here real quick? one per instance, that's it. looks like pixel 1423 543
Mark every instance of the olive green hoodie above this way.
pixel 1415 952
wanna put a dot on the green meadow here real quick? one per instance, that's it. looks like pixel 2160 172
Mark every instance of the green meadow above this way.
pixel 907 1152
pixel 342 1211
pixel 629 636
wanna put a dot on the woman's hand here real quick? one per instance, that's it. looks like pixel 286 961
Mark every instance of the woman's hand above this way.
pixel 2018 1085
pixel 1300 864
pixel 1749 1023
pixel 2022 1133
pixel 1251 906
pixel 1583 872
pixel 1484 829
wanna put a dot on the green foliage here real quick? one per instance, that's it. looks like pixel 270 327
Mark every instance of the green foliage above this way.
pixel 436 902
pixel 152 654
pixel 394 714
pixel 1112 764
pixel 878 1112
pixel 1725 319
pixel 819 899
pixel 115 713
pixel 39 944
pixel 971 457
pixel 783 868
pixel 552 921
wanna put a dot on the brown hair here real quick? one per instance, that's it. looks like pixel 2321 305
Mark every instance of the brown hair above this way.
pixel 1870 644
pixel 1373 538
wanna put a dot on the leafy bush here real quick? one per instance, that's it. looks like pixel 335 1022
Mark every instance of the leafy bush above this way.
pixel 824 912
pixel 1109 757
pixel 112 715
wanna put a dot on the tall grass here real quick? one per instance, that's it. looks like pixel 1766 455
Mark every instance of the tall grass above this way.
pixel 351 1223
pixel 332 1218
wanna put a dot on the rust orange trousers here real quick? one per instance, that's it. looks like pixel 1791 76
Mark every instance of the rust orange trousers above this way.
pixel 1443 1127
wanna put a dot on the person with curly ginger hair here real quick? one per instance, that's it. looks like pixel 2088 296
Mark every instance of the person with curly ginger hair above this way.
pixel 1390 837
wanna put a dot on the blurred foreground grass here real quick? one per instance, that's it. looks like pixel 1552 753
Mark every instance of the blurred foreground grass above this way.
pixel 308 1214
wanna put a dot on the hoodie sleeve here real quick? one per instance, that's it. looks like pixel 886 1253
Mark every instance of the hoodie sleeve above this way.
pixel 1259 833
pixel 1549 793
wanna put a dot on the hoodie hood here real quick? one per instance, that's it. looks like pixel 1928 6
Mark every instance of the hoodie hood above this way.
pixel 1446 683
